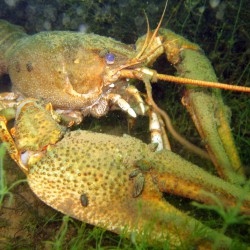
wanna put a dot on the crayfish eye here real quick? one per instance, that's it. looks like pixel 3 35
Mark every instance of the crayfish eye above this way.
pixel 110 58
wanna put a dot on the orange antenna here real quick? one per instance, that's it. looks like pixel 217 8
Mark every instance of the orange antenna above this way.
pixel 182 80
pixel 158 26
pixel 148 42
pixel 156 76
pixel 145 45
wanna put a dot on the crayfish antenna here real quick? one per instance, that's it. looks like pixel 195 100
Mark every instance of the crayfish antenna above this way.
pixel 145 45
pixel 201 83
pixel 140 57
pixel 151 36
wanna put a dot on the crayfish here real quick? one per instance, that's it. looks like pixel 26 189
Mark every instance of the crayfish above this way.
pixel 86 74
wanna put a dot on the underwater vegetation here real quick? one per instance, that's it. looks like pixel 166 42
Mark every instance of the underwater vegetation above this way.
pixel 5 189
pixel 223 34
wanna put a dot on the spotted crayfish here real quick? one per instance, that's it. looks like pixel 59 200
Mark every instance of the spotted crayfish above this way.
pixel 86 74
pixel 114 182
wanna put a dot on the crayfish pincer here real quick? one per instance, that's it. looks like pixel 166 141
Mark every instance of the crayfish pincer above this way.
pixel 88 74
pixel 114 182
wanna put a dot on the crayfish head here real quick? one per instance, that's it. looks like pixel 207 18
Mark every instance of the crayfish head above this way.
pixel 144 56
pixel 148 49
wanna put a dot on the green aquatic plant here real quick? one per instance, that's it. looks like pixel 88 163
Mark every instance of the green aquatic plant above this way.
pixel 59 241
pixel 5 190
pixel 231 215
pixel 235 25
pixel 191 7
